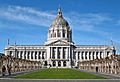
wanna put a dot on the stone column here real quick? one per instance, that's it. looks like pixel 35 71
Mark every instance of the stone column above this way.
pixel 98 54
pixel 70 55
pixel 84 56
pixel 66 57
pixel 30 56
pixel 88 55
pixel 37 55
pixel 61 63
pixel 102 54
pixel 57 33
pixel 23 54
pixel 91 55
pixel 56 63
pixel 34 55
pixel 19 54
pixel 95 55
pixel 41 54
pixel 66 34
pixel 26 53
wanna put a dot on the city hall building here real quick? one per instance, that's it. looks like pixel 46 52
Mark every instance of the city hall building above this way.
pixel 59 51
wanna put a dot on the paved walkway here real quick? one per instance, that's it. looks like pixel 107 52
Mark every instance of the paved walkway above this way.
pixel 111 78
pixel 55 80
pixel 17 73
pixel 108 76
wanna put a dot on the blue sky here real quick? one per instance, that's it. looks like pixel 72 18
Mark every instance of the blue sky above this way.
pixel 26 22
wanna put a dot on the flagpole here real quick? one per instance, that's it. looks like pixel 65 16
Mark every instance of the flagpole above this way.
pixel 8 42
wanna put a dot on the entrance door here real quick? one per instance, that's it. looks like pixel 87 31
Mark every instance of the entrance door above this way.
pixel 59 64
pixel 96 69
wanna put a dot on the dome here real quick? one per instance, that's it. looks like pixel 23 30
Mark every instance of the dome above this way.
pixel 59 20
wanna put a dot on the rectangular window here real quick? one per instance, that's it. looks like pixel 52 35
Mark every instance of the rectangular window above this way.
pixel 39 55
pixel 108 53
pixel 82 55
pixel 32 55
pixel 43 55
pixel 35 54
pixel 53 54
pixel 64 53
pixel 28 54
pixel 59 49
pixel 97 55
pixel 86 55
pixel 89 55
pixel 93 55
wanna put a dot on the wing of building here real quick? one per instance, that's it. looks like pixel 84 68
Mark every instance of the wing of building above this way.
pixel 59 51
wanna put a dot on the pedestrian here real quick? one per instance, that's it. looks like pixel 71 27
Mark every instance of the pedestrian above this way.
pixel 3 70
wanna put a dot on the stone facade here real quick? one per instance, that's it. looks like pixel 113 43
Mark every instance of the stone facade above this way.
pixel 59 51
pixel 109 65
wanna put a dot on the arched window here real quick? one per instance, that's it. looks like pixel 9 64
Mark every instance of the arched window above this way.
pixel 55 35
pixel 51 35
pixel 59 34
pixel 54 63
pixel 59 63
pixel 64 63
pixel 63 33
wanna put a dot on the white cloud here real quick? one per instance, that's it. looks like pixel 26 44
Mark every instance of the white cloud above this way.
pixel 78 21
pixel 27 15
pixel 87 22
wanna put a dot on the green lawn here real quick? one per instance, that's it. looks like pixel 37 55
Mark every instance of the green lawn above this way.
pixel 56 73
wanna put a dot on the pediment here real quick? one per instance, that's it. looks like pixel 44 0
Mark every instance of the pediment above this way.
pixel 59 42
pixel 10 48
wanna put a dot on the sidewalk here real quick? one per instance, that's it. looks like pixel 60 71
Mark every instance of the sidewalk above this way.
pixel 17 73
pixel 108 76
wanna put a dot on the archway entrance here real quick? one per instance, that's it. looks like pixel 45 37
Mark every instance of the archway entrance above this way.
pixel 64 64
pixel 59 63
pixel 96 69
pixel 54 63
